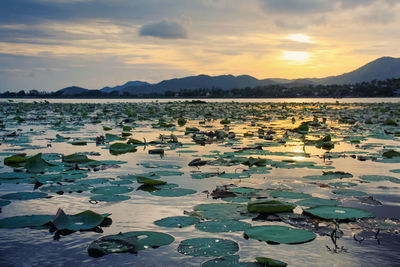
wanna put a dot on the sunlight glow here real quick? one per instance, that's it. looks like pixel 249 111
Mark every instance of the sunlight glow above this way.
pixel 296 56
pixel 299 37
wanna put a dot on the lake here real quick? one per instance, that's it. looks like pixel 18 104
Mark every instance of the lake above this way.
pixel 327 171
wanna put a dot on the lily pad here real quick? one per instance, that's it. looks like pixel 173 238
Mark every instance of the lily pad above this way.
pixel 343 184
pixel 36 164
pixel 177 221
pixel 122 148
pixel 222 226
pixel 149 181
pixel 128 242
pixel 223 211
pixel 112 190
pixel 349 193
pixel 173 192
pixel 289 194
pixel 109 198
pixel 234 175
pixel 76 158
pixel 269 206
pixel 25 221
pixel 377 178
pixel 82 221
pixel 279 234
pixel 337 213
pixel 14 160
pixel 208 247
pixel 315 202
pixel 4 203
pixel 24 196
pixel 268 262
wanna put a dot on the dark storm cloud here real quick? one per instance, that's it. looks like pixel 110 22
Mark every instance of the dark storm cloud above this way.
pixel 164 29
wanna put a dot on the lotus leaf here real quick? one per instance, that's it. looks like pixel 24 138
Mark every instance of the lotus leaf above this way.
pixel 315 202
pixel 177 221
pixel 121 148
pixel 208 247
pixel 337 213
pixel 112 190
pixel 82 221
pixel 269 206
pixel 25 221
pixel 173 192
pixel 128 242
pixel 24 196
pixel 279 234
pixel 288 194
pixel 222 226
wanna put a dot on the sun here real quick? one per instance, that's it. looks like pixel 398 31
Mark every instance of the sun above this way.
pixel 300 57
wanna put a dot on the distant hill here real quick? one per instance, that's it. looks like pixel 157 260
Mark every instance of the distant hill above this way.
pixel 72 90
pixel 199 81
pixel 380 69
pixel 121 87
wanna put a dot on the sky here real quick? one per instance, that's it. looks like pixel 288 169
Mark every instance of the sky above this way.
pixel 51 44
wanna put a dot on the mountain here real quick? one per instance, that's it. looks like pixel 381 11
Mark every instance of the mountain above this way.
pixel 121 87
pixel 380 69
pixel 199 81
pixel 73 90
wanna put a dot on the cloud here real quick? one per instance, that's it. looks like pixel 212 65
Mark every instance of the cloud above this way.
pixel 296 6
pixel 164 29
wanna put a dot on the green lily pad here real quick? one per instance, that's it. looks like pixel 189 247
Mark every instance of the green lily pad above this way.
pixel 203 175
pixel 289 194
pixel 4 203
pixel 378 178
pixel 177 221
pixel 173 192
pixel 279 234
pixel 24 196
pixel 76 158
pixel 149 181
pixel 36 164
pixel 208 247
pixel 112 137
pixel 222 226
pixel 337 213
pixel 128 242
pixel 167 173
pixel 243 190
pixel 269 206
pixel 268 262
pixel 349 193
pixel 82 221
pixel 112 190
pixel 230 261
pixel 395 171
pixel 121 148
pixel 25 221
pixel 315 202
pixel 223 211
pixel 343 184
pixel 234 175
pixel 65 188
pixel 109 198
pixel 14 160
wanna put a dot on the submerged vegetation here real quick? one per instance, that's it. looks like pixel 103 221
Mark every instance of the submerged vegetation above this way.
pixel 207 181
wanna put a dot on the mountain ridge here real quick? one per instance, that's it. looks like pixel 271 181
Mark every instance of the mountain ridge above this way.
pixel 379 69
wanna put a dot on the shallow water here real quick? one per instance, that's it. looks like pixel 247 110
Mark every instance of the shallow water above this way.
pixel 30 247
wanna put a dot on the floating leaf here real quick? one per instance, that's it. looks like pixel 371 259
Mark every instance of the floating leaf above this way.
pixel 173 192
pixel 128 242
pixel 121 148
pixel 24 195
pixel 25 221
pixel 315 202
pixel 337 213
pixel 149 181
pixel 378 178
pixel 109 198
pixel 177 221
pixel 82 221
pixel 4 203
pixel 36 164
pixel 349 193
pixel 76 158
pixel 279 234
pixel 234 175
pixel 269 206
pixel 15 159
pixel 223 211
pixel 208 247
pixel 289 194
pixel 112 190
pixel 268 262
pixel 222 226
